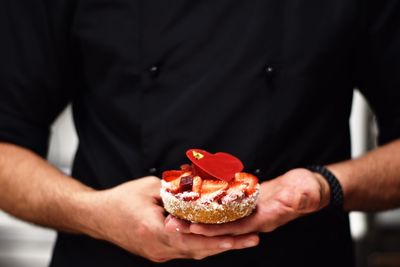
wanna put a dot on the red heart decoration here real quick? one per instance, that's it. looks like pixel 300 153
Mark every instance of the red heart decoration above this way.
pixel 220 165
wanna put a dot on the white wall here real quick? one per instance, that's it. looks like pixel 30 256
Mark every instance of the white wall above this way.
pixel 359 123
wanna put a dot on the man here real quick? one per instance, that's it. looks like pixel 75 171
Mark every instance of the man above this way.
pixel 268 81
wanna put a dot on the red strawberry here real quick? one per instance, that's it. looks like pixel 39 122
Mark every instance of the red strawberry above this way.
pixel 197 182
pixel 169 176
pixel 186 167
pixel 190 197
pixel 174 186
pixel 214 189
pixel 210 186
pixel 236 187
pixel 249 180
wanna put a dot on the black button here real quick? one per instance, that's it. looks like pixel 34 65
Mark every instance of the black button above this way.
pixel 257 171
pixel 269 70
pixel 154 70
pixel 153 170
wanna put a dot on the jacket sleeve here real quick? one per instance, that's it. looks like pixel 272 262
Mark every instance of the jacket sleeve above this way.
pixel 31 89
pixel 379 65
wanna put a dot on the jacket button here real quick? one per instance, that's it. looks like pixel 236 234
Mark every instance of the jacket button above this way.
pixel 153 171
pixel 154 70
pixel 269 70
pixel 257 171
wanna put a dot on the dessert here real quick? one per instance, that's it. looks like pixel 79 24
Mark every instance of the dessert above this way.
pixel 213 189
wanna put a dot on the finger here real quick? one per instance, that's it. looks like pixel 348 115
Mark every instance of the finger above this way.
pixel 173 224
pixel 239 227
pixel 197 244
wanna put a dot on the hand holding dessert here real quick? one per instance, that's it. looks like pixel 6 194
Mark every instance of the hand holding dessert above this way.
pixel 292 195
pixel 131 217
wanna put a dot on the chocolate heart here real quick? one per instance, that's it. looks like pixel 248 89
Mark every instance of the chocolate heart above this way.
pixel 220 165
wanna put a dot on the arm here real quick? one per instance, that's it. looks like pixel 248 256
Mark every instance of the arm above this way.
pixel 128 215
pixel 370 182
pixel 33 190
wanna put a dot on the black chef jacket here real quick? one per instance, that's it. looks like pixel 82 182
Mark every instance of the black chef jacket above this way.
pixel 269 81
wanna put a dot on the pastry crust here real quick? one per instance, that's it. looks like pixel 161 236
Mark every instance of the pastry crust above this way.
pixel 228 209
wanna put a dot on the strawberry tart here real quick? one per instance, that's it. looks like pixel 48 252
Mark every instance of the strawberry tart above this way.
pixel 213 189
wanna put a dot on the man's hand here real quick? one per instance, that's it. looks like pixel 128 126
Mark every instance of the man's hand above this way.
pixel 292 195
pixel 130 216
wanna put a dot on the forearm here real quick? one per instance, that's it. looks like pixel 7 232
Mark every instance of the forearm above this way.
pixel 33 190
pixel 371 182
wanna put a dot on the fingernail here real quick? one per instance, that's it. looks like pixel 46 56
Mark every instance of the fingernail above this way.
pixel 225 245
pixel 249 243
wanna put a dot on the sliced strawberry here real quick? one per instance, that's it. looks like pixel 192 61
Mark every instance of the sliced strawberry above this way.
pixel 174 186
pixel 210 186
pixel 191 197
pixel 197 182
pixel 213 190
pixel 169 176
pixel 186 167
pixel 237 188
pixel 213 196
pixel 248 179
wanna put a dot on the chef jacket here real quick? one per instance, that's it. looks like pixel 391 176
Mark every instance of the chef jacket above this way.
pixel 268 81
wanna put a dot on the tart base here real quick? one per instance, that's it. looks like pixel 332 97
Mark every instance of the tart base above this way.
pixel 209 213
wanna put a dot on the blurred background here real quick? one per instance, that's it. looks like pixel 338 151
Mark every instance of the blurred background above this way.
pixel 376 236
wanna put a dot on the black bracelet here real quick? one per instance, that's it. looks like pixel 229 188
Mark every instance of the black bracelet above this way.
pixel 336 198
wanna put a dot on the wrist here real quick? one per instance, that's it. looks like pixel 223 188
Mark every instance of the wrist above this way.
pixel 335 188
pixel 85 209
pixel 325 192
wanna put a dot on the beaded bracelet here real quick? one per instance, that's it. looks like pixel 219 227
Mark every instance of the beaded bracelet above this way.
pixel 336 198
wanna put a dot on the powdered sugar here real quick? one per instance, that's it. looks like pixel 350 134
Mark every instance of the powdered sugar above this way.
pixel 235 204
pixel 187 195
